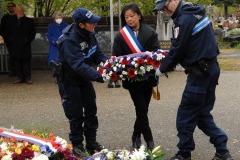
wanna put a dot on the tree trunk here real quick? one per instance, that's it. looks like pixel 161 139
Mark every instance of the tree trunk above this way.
pixel 225 11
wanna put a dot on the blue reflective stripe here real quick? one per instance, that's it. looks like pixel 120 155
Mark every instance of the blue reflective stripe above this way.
pixel 202 24
pixel 91 51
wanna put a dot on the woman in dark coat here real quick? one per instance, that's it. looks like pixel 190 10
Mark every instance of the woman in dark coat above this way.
pixel 140 91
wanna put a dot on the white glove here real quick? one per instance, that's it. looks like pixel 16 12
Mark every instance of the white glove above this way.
pixel 158 72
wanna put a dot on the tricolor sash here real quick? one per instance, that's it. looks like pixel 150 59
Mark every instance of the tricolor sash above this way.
pixel 131 39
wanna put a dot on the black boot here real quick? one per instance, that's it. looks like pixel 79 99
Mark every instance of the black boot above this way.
pixel 150 145
pixel 93 147
pixel 79 151
pixel 222 156
pixel 136 142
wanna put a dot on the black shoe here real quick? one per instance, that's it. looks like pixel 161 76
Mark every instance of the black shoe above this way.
pixel 93 147
pixel 150 145
pixel 136 142
pixel 225 156
pixel 179 157
pixel 79 151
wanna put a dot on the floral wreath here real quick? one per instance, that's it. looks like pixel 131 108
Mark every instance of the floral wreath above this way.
pixel 132 67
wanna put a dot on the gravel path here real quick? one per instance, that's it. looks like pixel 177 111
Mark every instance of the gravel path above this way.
pixel 38 106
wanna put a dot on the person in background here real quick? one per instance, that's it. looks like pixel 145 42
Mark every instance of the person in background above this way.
pixel 54 32
pixel 19 37
pixel 140 91
pixel 4 28
pixel 1 40
pixel 195 48
pixel 78 50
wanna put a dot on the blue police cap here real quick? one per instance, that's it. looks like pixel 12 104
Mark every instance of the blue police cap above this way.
pixel 83 15
pixel 159 5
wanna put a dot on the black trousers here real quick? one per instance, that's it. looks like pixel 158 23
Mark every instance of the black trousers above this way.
pixel 141 100
pixel 22 68
pixel 79 104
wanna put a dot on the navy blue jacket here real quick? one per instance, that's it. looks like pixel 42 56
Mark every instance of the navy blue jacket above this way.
pixel 78 50
pixel 188 49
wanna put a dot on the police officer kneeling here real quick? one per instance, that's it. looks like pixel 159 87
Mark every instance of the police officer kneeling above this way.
pixel 78 49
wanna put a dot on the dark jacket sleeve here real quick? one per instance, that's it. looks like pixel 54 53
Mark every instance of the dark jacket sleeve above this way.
pixel 180 43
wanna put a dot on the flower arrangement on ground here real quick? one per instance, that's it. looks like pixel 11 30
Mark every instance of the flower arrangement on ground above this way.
pixel 140 154
pixel 15 145
pixel 35 146
pixel 133 67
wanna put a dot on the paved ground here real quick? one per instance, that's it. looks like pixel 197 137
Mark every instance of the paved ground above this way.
pixel 38 106
pixel 232 54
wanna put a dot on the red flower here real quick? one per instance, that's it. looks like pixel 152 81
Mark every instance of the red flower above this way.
pixel 156 64
pixel 140 61
pixel 51 135
pixel 26 154
pixel 109 65
pixel 131 73
pixel 13 139
pixel 124 62
pixel 149 60
pixel 164 53
pixel 114 76
pixel 100 71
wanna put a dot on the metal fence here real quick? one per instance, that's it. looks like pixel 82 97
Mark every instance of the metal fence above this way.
pixel 3 59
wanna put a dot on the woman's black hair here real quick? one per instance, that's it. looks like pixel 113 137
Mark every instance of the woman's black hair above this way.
pixel 134 8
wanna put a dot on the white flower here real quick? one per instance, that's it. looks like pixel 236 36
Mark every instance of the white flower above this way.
pixel 149 68
pixel 7 157
pixel 110 155
pixel 124 72
pixel 114 68
pixel 4 146
pixel 40 157
pixel 137 155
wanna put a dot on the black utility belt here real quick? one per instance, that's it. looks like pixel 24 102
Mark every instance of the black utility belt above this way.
pixel 200 68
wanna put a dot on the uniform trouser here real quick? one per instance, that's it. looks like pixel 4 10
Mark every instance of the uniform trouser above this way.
pixel 79 104
pixel 197 102
pixel 141 100
pixel 22 68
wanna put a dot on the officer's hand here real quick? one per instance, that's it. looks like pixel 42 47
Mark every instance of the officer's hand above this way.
pixel 158 72
pixel 100 80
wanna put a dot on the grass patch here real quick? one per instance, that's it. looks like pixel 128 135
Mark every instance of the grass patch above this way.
pixel 228 50
pixel 229 64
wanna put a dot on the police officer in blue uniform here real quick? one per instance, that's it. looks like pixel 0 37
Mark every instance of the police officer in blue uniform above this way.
pixel 78 50
pixel 195 48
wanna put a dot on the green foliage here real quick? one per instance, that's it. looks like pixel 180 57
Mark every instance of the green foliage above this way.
pixel 238 46
pixel 45 8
